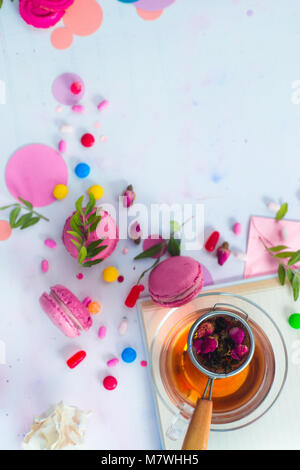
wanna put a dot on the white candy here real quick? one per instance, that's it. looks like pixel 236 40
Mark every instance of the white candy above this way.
pixel 66 129
pixel 123 326
pixel 284 233
pixel 273 206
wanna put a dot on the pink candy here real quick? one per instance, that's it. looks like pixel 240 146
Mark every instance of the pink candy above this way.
pixel 112 362
pixel 45 266
pixel 78 108
pixel 62 146
pixel 237 228
pixel 102 332
pixel 50 243
pixel 102 105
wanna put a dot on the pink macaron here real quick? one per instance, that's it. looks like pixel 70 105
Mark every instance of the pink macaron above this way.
pixel 66 311
pixel 175 281
pixel 107 230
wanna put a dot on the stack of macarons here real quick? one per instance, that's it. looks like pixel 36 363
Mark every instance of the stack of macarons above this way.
pixel 175 281
pixel 66 311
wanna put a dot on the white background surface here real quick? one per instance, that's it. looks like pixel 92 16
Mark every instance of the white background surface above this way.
pixel 202 94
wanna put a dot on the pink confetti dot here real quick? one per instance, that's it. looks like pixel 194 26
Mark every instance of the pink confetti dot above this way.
pixel 125 251
pixel 103 138
pixel 120 278
pixel 79 276
pixel 144 363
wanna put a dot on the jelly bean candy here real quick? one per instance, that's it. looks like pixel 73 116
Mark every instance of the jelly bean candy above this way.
pixel 134 295
pixel 212 241
pixel 76 359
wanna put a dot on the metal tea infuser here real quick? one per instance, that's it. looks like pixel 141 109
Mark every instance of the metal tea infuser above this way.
pixel 198 431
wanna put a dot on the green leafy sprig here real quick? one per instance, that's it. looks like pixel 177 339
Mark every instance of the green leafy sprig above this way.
pixel 286 270
pixel 83 222
pixel 282 211
pixel 17 219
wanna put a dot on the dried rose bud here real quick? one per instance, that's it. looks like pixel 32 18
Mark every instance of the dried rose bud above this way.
pixel 135 232
pixel 237 335
pixel 128 196
pixel 239 351
pixel 223 253
pixel 206 344
pixel 205 329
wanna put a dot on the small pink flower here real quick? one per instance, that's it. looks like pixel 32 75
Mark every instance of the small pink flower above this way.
pixel 239 351
pixel 223 253
pixel 205 329
pixel 129 196
pixel 206 344
pixel 237 335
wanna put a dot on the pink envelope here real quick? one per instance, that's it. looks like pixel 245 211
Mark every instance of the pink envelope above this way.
pixel 259 262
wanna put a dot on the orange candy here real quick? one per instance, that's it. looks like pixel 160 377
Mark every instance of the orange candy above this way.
pixel 94 307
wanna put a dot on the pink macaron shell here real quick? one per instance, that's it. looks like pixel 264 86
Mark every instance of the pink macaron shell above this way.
pixel 107 229
pixel 74 305
pixel 175 281
pixel 58 316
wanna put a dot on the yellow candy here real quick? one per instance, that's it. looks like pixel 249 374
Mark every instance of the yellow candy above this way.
pixel 96 191
pixel 110 274
pixel 60 191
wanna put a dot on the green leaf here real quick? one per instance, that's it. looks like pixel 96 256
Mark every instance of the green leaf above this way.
pixel 91 204
pixel 76 235
pixel 289 275
pixel 26 203
pixel 275 249
pixel 22 220
pixel 78 245
pixel 32 221
pixel 82 254
pixel 75 223
pixel 13 216
pixel 294 259
pixel 5 207
pixel 89 264
pixel 94 226
pixel 282 211
pixel 295 287
pixel 154 250
pixel 78 205
pixel 175 226
pixel 281 274
pixel 174 247
pixel 1 3
pixel 95 252
pixel 92 218
pixel 284 254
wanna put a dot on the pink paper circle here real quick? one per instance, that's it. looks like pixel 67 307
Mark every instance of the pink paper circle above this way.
pixel 61 38
pixel 33 172
pixel 5 230
pixel 149 15
pixel 61 89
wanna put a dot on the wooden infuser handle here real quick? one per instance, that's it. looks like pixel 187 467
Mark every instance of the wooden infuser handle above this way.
pixel 197 434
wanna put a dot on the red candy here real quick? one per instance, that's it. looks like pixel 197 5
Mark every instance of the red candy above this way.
pixel 76 88
pixel 212 241
pixel 87 140
pixel 134 295
pixel 110 382
pixel 76 359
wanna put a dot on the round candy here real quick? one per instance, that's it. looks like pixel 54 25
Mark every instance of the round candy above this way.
pixel 82 170
pixel 60 191
pixel 94 307
pixel 76 88
pixel 96 191
pixel 110 382
pixel 87 140
pixel 110 274
pixel 294 320
pixel 128 355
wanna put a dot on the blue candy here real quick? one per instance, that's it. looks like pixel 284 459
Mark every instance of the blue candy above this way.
pixel 128 355
pixel 82 170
